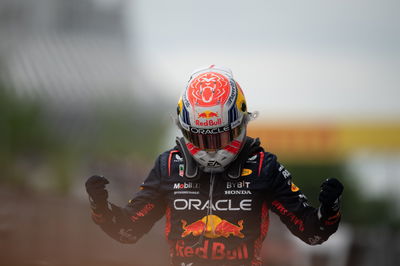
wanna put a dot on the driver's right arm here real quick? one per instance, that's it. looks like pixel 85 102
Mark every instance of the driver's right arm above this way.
pixel 130 223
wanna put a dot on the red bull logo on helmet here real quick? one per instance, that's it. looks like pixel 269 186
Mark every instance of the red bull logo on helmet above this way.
pixel 209 123
pixel 212 226
pixel 208 118
pixel 207 114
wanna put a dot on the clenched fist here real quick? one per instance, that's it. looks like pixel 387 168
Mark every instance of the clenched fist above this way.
pixel 329 197
pixel 96 188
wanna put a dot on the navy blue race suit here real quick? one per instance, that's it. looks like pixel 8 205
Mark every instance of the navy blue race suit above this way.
pixel 212 219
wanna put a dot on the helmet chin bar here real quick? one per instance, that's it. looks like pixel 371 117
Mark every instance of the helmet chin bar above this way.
pixel 213 161
pixel 217 161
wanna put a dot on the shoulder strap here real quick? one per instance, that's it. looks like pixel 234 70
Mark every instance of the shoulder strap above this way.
pixel 234 171
pixel 191 167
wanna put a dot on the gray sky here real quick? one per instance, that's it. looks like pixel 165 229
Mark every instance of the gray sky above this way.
pixel 294 59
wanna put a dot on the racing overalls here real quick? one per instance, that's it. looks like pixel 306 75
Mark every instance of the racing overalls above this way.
pixel 212 219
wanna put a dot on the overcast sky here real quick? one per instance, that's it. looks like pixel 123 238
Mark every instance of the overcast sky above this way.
pixel 312 59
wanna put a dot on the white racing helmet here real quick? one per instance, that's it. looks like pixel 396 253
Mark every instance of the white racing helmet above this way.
pixel 212 115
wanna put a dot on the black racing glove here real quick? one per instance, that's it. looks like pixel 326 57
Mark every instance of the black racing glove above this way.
pixel 96 188
pixel 329 197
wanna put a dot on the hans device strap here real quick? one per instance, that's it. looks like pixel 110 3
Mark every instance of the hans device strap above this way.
pixel 191 167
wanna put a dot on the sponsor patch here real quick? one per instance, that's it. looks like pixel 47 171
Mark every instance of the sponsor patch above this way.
pixel 186 192
pixel 252 158
pixel 209 123
pixel 219 205
pixel 209 131
pixel 178 158
pixel 181 169
pixel 213 163
pixel 285 173
pixel 186 185
pixel 212 226
pixel 315 240
pixel 207 114
pixel 292 217
pixel 237 192
pixel 294 187
pixel 211 250
pixel 246 172
pixel 240 184
pixel 143 212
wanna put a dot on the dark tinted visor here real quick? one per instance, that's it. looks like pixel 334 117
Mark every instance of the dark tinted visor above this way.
pixel 212 142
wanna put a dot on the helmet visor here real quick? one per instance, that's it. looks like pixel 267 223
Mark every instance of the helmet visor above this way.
pixel 212 141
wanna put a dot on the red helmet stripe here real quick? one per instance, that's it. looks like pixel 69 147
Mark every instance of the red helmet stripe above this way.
pixel 236 143
pixel 192 149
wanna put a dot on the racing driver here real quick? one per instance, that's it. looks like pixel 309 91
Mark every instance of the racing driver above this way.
pixel 217 186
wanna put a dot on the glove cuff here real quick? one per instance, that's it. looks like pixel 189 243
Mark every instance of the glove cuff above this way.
pixel 99 212
pixel 329 217
pixel 98 207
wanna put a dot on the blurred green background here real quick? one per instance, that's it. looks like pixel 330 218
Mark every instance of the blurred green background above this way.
pixel 34 135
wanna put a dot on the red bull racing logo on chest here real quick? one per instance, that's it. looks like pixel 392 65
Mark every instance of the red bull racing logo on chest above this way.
pixel 212 226
pixel 211 250
pixel 209 89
